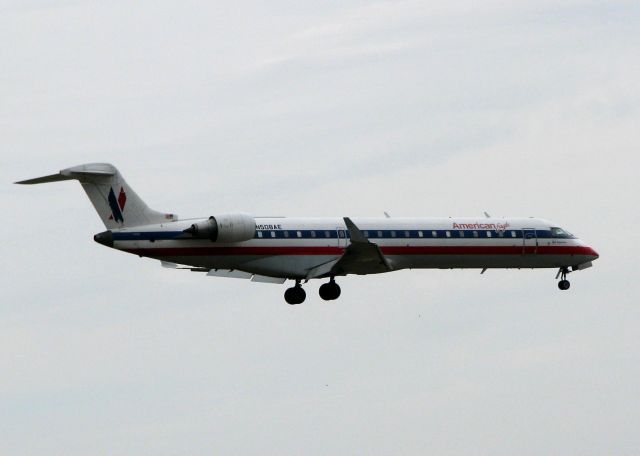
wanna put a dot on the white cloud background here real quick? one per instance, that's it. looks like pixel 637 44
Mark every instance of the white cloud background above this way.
pixel 414 107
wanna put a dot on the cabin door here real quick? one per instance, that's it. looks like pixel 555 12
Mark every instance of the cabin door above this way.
pixel 529 241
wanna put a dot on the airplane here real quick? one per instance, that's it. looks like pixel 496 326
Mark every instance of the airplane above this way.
pixel 277 249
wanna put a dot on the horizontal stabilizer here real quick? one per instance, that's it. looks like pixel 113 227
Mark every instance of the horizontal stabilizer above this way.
pixel 81 173
pixel 45 179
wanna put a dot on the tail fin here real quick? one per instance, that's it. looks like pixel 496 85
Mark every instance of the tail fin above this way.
pixel 115 201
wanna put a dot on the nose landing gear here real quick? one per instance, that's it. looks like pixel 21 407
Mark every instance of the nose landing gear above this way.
pixel 330 291
pixel 564 284
pixel 295 295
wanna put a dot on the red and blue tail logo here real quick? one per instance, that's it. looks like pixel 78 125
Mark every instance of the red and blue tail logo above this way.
pixel 117 205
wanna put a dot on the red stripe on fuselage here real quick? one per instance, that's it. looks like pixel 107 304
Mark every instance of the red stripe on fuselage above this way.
pixel 488 250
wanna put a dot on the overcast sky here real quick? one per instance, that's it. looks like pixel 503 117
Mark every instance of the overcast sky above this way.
pixel 418 108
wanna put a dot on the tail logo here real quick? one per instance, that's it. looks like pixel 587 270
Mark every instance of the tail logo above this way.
pixel 117 205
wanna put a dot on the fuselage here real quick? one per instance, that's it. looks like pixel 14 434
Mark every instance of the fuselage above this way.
pixel 291 247
pixel 274 249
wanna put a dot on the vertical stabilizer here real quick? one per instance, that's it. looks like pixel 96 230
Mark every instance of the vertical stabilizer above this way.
pixel 115 201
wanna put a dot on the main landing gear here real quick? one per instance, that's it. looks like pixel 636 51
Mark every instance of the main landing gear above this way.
pixel 564 284
pixel 296 295
pixel 330 291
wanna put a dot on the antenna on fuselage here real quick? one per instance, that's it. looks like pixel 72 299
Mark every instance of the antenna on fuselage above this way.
pixel 486 214
pixel 386 215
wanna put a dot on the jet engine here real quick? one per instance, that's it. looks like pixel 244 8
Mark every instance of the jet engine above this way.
pixel 224 228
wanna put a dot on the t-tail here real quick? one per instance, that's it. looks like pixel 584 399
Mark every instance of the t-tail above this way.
pixel 115 201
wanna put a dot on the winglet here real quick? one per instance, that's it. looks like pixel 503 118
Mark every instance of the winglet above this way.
pixel 354 231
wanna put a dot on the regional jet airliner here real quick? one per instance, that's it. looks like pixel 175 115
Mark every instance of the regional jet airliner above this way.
pixel 276 249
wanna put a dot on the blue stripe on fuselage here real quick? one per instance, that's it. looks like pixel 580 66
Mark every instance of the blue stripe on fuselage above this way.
pixel 332 234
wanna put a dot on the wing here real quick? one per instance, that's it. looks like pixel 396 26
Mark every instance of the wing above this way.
pixel 228 273
pixel 360 257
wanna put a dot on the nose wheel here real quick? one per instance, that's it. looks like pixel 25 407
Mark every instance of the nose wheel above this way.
pixel 295 295
pixel 330 291
pixel 564 284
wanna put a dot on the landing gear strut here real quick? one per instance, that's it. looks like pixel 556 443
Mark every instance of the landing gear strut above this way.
pixel 564 284
pixel 330 291
pixel 295 295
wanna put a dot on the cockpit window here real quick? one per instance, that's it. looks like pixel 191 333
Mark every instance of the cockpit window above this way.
pixel 560 233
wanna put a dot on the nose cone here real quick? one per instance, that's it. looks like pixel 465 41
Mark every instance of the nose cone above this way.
pixel 104 238
pixel 592 253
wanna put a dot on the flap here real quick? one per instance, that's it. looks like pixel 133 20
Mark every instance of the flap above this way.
pixel 230 273
pixel 266 279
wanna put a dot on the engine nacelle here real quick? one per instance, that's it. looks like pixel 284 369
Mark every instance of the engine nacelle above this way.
pixel 225 228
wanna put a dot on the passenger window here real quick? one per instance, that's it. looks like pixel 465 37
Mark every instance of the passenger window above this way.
pixel 420 234
pixel 488 234
pixel 500 233
pixel 513 234
pixel 407 234
pixel 379 234
pixel 448 233
pixel 341 233
pixel 393 234
pixel 313 234
pixel 273 234
pixel 366 234
pixel 259 234
pixel 299 234
pixel 286 234
pixel 475 234
pixel 461 232
pixel 434 233
pixel 327 234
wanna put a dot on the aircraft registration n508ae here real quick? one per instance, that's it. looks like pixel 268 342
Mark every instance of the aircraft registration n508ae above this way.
pixel 276 249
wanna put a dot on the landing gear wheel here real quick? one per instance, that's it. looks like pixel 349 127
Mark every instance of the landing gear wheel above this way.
pixel 330 291
pixel 564 283
pixel 295 295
